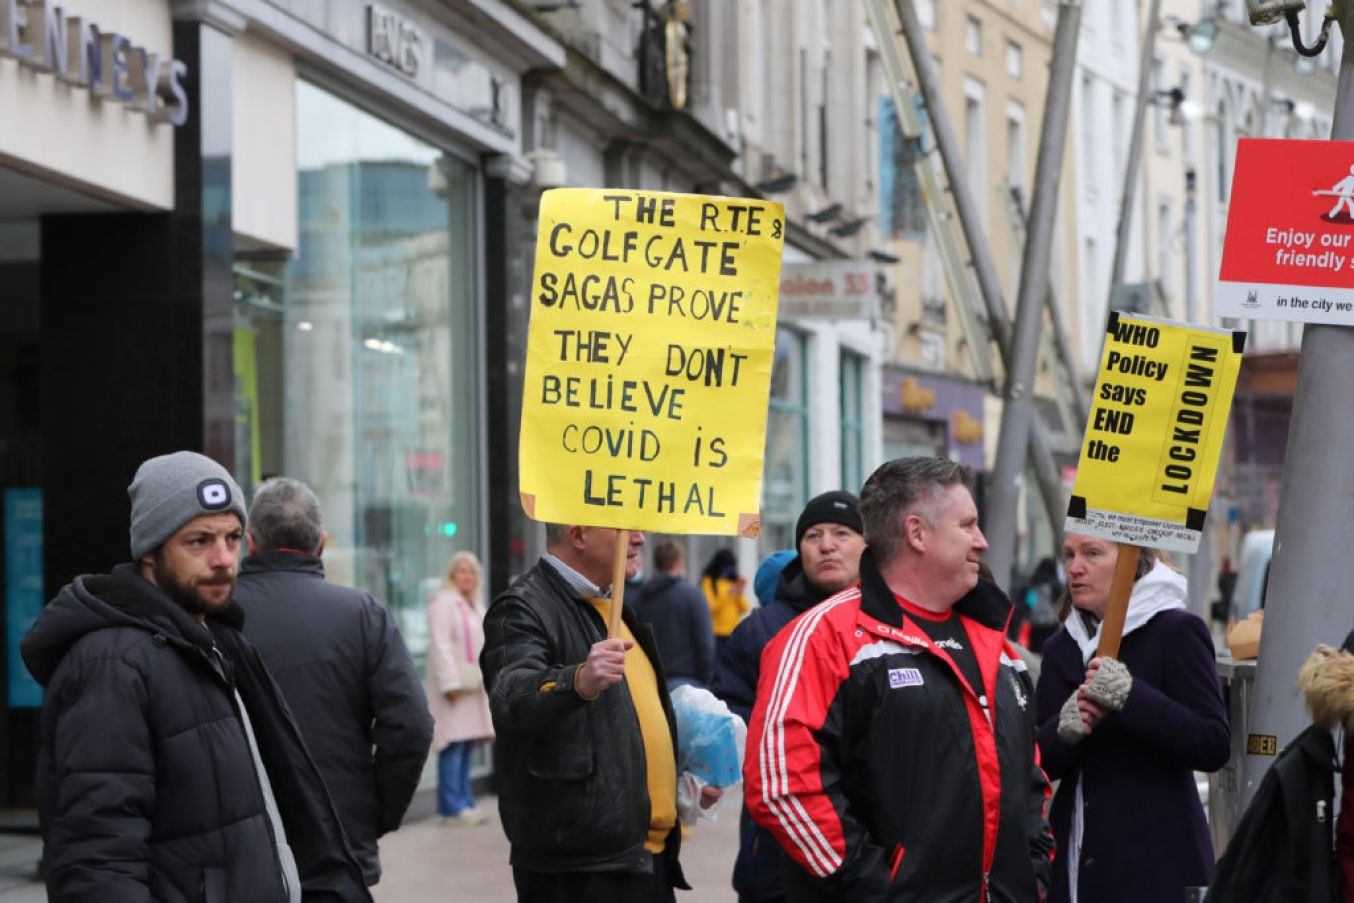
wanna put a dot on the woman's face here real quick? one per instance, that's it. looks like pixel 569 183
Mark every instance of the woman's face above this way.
pixel 464 578
pixel 1090 569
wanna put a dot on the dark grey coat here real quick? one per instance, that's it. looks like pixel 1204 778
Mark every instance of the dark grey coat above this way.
pixel 677 611
pixel 146 782
pixel 349 680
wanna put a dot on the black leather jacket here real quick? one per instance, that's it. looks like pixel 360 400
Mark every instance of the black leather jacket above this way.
pixel 570 773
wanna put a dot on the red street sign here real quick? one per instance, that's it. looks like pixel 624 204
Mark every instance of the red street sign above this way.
pixel 1289 253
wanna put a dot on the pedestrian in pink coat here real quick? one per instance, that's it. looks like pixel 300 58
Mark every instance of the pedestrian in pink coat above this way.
pixel 456 694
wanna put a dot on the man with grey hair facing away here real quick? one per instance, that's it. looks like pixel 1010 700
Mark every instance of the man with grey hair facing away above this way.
pixel 341 664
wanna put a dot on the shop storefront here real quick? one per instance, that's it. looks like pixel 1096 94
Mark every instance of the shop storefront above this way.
pixel 269 231
pixel 934 415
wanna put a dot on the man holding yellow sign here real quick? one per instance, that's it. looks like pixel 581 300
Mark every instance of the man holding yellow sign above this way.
pixel 644 407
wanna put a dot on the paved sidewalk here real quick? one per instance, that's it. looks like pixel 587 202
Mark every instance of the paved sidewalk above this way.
pixel 19 854
pixel 426 861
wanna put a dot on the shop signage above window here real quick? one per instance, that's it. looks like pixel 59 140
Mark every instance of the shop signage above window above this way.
pixel 832 288
pixel 78 52
pixel 394 40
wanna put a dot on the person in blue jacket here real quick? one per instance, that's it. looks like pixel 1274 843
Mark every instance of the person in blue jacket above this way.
pixel 829 540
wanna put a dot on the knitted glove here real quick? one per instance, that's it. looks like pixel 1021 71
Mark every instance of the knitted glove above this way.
pixel 1071 729
pixel 1109 689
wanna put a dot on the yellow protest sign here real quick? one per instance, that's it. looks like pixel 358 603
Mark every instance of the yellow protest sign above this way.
pixel 653 327
pixel 1155 431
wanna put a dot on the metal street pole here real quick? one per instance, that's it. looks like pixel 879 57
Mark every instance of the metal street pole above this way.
pixel 928 82
pixel 1149 44
pixel 1312 569
pixel 1017 413
pixel 1191 248
pixel 1201 562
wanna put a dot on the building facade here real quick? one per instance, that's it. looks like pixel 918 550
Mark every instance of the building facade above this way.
pixel 771 105
pixel 263 230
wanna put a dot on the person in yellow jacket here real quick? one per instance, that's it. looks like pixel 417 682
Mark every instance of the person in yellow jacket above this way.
pixel 724 591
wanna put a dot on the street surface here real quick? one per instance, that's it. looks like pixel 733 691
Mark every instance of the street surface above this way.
pixel 426 862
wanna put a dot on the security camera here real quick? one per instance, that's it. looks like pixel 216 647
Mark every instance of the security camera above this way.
pixel 547 169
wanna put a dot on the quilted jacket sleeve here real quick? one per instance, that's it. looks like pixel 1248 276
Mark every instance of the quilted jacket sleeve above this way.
pixel 103 765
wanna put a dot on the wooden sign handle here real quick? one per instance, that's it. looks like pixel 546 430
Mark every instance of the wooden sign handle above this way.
pixel 618 584
pixel 1116 611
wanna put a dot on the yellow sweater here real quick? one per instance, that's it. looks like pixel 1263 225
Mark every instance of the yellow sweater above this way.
pixel 727 604
pixel 660 762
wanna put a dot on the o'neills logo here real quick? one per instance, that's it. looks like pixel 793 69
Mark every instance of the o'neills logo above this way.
pixel 74 49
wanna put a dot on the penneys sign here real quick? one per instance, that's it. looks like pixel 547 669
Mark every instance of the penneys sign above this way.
pixel 41 36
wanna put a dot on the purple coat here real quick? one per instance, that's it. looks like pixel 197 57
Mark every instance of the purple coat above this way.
pixel 1145 837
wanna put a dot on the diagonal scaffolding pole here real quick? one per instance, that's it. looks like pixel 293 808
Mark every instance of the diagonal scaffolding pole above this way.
pixel 928 81
pixel 1149 43
pixel 1018 413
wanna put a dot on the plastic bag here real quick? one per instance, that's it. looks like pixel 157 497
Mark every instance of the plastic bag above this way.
pixel 689 789
pixel 710 738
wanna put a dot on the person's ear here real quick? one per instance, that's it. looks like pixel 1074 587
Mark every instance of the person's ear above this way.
pixel 251 544
pixel 914 532
pixel 146 566
pixel 324 541
pixel 576 536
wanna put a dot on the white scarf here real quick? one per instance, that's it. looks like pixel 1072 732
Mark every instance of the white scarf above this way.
pixel 1160 589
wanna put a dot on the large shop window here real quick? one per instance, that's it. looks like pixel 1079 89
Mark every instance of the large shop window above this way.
pixel 787 442
pixel 355 359
pixel 853 421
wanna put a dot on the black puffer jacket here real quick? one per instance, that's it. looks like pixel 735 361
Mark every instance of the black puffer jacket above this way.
pixel 349 680
pixel 146 783
pixel 572 785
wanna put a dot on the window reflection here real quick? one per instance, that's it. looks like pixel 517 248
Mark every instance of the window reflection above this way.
pixel 375 354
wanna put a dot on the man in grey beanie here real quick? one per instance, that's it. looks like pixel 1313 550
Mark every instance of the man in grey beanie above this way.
pixel 169 767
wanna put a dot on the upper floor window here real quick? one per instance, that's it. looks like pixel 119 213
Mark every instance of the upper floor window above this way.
pixel 1015 60
pixel 973 36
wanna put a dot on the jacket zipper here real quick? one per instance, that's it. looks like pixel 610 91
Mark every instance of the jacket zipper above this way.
pixel 989 715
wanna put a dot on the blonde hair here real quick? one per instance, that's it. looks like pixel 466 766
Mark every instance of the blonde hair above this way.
pixel 457 560
pixel 1327 680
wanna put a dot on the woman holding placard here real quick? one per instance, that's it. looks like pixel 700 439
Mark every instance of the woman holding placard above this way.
pixel 456 695
pixel 1125 736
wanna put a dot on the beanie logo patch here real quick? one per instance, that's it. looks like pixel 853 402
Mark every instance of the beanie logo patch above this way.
pixel 213 494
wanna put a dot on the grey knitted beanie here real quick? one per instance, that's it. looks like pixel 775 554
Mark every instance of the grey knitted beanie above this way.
pixel 169 491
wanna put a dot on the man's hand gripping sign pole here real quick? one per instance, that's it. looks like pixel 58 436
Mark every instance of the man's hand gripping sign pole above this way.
pixel 1153 437
pixel 653 328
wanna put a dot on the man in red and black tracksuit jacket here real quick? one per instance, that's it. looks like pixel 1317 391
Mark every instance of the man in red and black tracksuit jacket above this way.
pixel 892 747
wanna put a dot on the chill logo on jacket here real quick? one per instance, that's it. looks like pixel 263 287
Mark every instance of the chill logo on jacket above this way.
pixel 904 677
